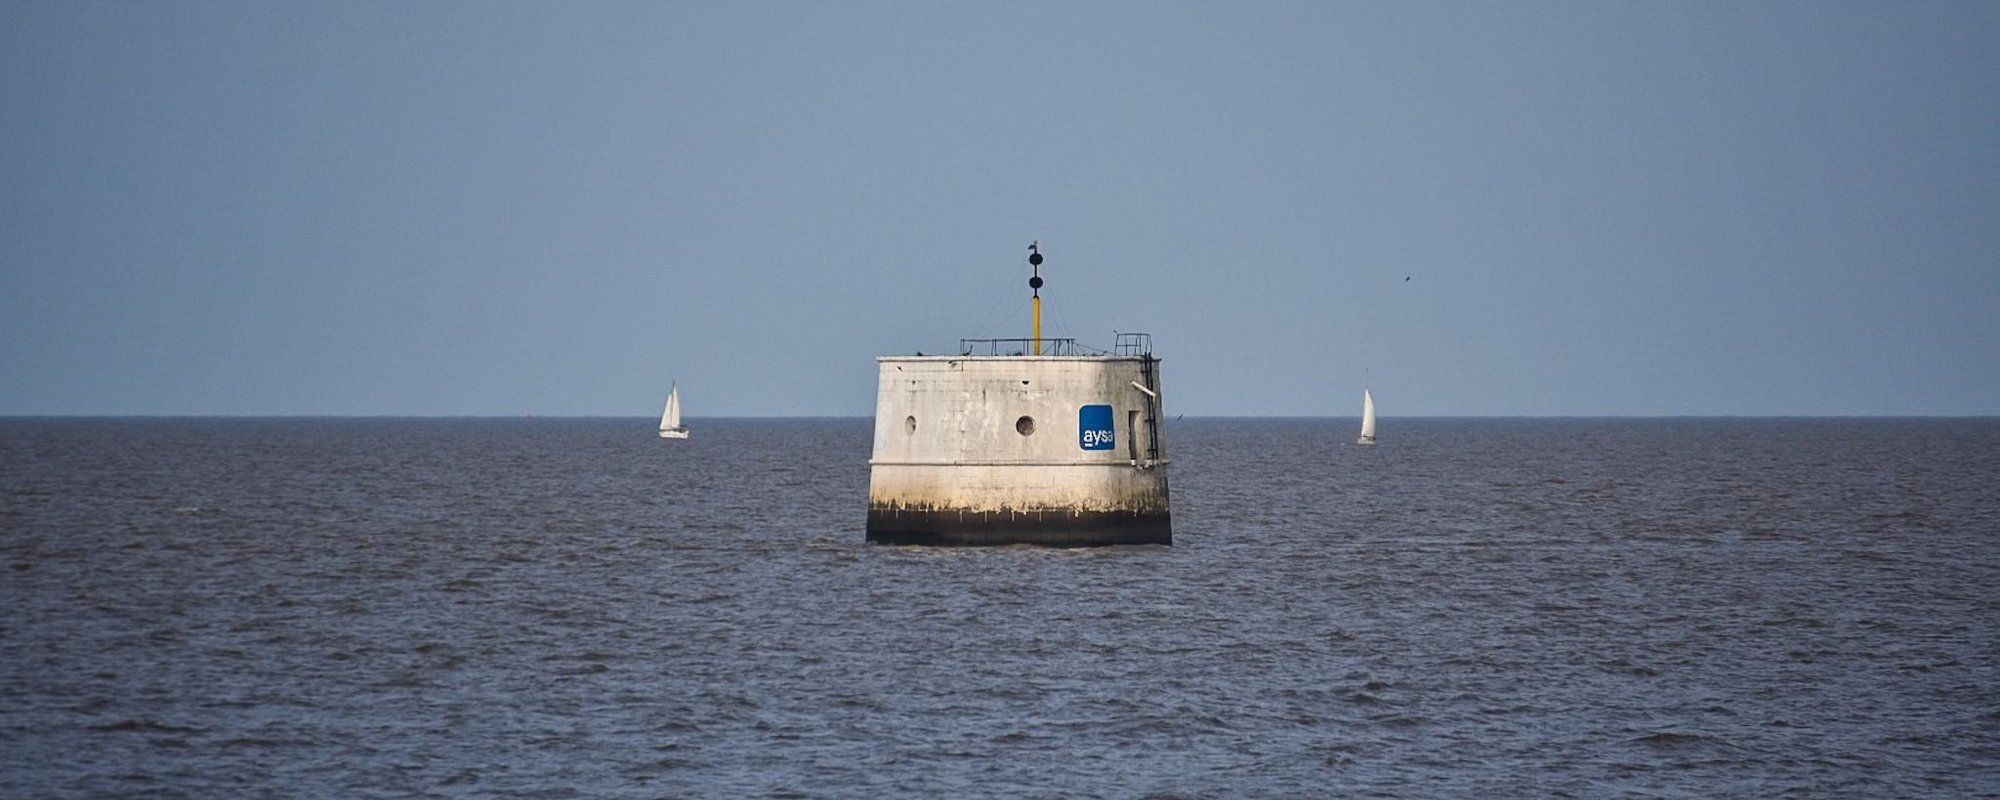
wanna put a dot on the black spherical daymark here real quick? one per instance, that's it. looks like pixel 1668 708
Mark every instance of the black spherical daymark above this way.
pixel 1035 259
pixel 1035 282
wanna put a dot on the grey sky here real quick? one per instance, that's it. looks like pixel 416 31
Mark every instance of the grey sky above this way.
pixel 483 208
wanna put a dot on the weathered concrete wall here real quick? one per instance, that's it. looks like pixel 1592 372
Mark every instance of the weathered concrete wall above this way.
pixel 992 450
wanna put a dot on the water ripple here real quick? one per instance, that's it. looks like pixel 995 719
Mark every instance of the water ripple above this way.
pixel 572 608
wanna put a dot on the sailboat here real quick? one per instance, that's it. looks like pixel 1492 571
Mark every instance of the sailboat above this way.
pixel 1367 418
pixel 670 419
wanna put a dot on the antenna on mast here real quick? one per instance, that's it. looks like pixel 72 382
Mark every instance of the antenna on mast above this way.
pixel 1035 283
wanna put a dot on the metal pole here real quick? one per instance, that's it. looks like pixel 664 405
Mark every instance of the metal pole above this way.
pixel 1035 283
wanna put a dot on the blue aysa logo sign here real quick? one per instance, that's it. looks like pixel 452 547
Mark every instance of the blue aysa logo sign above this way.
pixel 1094 430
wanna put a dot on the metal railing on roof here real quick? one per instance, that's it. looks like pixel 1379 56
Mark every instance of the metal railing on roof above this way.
pixel 1128 344
pixel 1024 347
pixel 1133 344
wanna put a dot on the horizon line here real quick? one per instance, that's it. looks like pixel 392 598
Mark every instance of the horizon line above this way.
pixel 870 416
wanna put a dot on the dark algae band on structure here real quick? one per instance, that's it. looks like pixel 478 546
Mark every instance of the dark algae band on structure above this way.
pixel 1053 528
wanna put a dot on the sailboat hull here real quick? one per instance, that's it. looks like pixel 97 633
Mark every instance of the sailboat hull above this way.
pixel 674 433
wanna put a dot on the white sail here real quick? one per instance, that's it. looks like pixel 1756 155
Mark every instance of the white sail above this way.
pixel 1367 418
pixel 670 419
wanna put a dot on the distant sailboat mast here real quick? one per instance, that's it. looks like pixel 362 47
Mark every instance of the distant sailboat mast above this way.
pixel 1367 418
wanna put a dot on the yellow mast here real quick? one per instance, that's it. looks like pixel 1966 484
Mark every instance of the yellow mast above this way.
pixel 1035 283
pixel 1038 325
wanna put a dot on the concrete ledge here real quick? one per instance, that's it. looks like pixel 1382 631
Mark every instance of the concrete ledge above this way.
pixel 1052 528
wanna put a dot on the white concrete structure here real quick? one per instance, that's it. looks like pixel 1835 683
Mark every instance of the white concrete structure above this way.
pixel 1059 450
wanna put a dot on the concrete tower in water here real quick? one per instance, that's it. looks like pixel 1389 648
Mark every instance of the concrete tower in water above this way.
pixel 1021 441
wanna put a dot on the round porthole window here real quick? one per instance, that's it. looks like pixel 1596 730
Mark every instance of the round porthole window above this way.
pixel 1025 425
pixel 909 424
